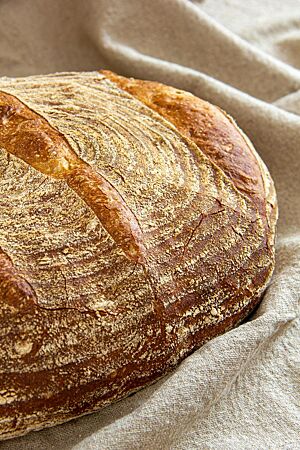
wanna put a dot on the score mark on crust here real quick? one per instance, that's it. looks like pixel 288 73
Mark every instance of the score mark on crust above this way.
pixel 31 138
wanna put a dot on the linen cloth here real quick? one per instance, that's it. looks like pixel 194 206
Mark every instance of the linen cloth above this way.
pixel 242 389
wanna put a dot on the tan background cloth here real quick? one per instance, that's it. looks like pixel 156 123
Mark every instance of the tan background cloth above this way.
pixel 241 390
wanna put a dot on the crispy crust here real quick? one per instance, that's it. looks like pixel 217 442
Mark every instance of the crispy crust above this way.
pixel 39 145
pixel 214 132
pixel 146 228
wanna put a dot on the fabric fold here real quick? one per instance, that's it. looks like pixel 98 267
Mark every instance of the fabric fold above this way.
pixel 240 390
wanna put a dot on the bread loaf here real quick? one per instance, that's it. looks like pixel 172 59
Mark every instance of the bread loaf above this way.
pixel 137 222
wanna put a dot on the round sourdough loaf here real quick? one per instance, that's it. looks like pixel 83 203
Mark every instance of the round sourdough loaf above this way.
pixel 137 222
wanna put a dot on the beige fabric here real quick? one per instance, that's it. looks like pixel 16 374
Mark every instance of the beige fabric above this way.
pixel 241 390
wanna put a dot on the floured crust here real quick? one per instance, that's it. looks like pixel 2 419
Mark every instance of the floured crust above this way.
pixel 137 222
pixel 214 132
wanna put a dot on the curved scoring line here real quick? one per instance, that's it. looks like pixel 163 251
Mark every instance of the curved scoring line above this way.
pixel 35 269
pixel 125 104
pixel 108 94
pixel 41 146
pixel 85 129
pixel 170 144
pixel 136 125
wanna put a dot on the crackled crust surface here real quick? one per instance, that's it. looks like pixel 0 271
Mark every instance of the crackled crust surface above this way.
pixel 136 223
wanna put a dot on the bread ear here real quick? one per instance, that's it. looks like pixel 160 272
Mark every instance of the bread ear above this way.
pixel 28 136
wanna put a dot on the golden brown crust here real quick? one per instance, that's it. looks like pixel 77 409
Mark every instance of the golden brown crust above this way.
pixel 38 144
pixel 205 124
pixel 214 132
pixel 122 246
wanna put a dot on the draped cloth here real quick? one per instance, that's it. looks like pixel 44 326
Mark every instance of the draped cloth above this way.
pixel 242 389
